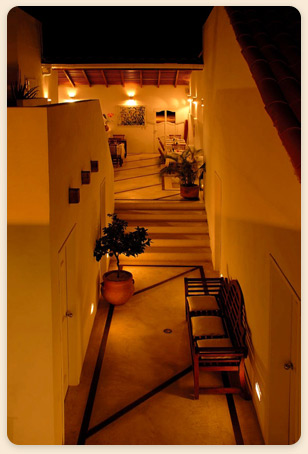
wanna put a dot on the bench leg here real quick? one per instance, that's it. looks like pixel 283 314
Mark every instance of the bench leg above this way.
pixel 196 376
pixel 245 393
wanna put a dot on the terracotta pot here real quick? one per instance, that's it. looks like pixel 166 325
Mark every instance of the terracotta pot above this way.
pixel 117 290
pixel 190 192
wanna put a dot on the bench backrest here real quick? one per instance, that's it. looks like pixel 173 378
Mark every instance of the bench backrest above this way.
pixel 234 309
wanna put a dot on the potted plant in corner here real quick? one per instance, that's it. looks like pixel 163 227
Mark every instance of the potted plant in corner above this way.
pixel 118 285
pixel 187 168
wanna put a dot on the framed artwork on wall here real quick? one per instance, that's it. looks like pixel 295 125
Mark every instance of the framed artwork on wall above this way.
pixel 132 116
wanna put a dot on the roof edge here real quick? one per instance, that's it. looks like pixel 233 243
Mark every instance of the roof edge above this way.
pixel 194 66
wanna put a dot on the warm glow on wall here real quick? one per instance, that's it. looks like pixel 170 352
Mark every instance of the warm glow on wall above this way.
pixel 258 390
pixel 72 92
pixel 92 308
pixel 131 101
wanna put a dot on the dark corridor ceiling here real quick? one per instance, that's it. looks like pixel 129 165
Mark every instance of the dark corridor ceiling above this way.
pixel 117 34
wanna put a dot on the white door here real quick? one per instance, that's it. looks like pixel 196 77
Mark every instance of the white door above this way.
pixel 284 360
pixel 64 319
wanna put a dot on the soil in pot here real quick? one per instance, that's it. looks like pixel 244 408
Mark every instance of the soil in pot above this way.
pixel 190 192
pixel 117 290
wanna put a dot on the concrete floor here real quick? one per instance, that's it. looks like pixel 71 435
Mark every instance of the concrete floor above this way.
pixel 136 386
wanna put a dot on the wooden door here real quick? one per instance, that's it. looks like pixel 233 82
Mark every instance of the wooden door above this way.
pixel 283 422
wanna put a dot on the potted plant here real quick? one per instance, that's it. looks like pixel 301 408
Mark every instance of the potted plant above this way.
pixel 118 285
pixel 186 168
pixel 20 92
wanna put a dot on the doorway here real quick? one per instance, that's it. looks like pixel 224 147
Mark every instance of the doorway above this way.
pixel 166 124
pixel 284 359
pixel 69 307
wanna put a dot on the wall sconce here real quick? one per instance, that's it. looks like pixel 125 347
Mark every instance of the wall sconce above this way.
pixel 72 93
pixel 202 102
pixel 131 101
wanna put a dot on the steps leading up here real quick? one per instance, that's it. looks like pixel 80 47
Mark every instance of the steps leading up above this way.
pixel 165 216
pixel 178 228
pixel 153 205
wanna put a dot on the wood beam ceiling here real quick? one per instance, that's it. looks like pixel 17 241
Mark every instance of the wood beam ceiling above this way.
pixel 69 78
pixel 176 78
pixel 104 77
pixel 86 77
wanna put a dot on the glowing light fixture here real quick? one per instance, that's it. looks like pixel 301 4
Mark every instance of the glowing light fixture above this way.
pixel 131 101
pixel 258 390
pixel 92 308
pixel 71 92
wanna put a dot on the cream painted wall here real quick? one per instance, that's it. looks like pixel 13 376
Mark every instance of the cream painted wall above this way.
pixel 30 391
pixel 260 193
pixel 45 158
pixel 24 48
pixel 140 139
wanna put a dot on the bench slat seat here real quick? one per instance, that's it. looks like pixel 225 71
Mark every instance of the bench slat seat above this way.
pixel 202 303
pixel 207 326
pixel 217 340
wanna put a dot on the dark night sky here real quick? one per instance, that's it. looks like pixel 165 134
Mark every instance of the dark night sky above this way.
pixel 121 34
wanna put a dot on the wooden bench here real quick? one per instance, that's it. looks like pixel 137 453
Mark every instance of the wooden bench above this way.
pixel 216 318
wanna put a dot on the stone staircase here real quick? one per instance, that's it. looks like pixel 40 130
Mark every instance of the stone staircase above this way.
pixel 178 230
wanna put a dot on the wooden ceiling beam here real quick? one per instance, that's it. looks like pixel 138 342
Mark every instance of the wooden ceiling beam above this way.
pixel 158 79
pixel 86 76
pixel 122 78
pixel 69 78
pixel 104 77
pixel 176 78
pixel 140 73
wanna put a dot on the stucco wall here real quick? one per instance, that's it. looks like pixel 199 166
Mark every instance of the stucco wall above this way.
pixel 140 139
pixel 47 149
pixel 30 392
pixel 24 48
pixel 259 204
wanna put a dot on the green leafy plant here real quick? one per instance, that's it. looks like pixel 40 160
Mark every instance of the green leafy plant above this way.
pixel 20 91
pixel 185 167
pixel 117 241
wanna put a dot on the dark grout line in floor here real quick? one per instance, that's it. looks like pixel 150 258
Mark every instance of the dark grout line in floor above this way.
pixel 137 402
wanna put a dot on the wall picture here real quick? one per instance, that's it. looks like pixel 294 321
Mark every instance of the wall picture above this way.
pixel 132 116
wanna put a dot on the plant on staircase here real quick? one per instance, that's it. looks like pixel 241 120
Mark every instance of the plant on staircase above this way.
pixel 187 168
pixel 118 286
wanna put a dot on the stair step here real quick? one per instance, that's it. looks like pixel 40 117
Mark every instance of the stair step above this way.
pixel 127 174
pixel 178 235
pixel 174 228
pixel 144 215
pixel 181 242
pixel 186 258
pixel 177 205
